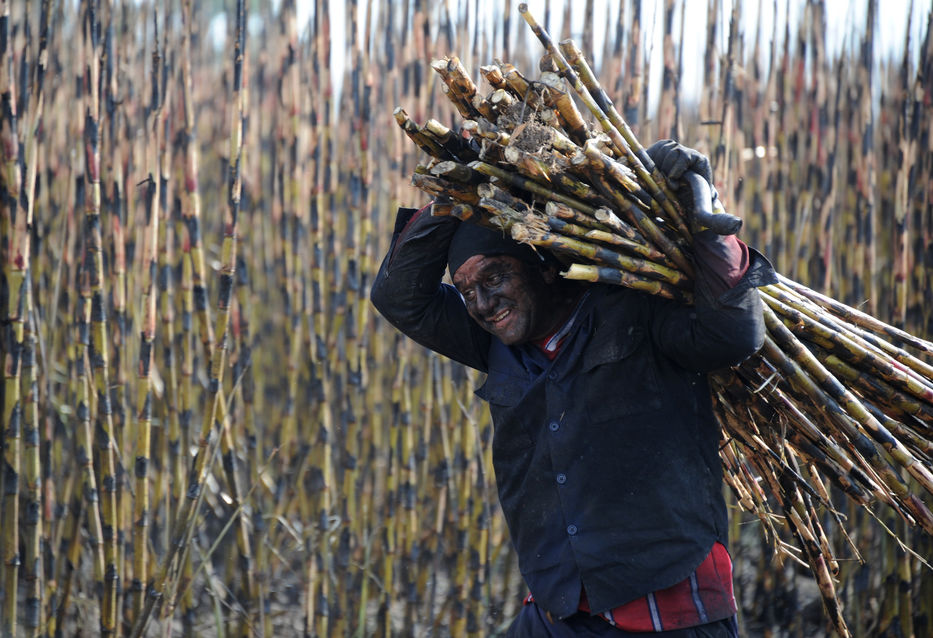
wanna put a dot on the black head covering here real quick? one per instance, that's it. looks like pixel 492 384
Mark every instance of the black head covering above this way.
pixel 472 239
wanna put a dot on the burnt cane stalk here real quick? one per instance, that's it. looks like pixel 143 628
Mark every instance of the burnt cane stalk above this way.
pixel 214 416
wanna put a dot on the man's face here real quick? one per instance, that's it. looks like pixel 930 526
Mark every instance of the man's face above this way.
pixel 506 297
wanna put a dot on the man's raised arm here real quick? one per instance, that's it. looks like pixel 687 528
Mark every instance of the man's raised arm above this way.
pixel 409 293
pixel 726 325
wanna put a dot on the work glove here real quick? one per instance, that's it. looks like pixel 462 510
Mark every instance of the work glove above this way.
pixel 690 176
pixel 674 160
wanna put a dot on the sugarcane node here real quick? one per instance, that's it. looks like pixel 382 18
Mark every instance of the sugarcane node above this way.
pixel 647 162
pixel 570 50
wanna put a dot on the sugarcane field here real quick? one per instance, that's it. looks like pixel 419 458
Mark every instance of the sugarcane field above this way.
pixel 209 429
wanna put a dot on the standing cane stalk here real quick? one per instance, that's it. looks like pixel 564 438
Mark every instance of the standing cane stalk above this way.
pixel 98 349
pixel 215 414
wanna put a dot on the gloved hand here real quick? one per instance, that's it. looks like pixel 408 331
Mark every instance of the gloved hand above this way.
pixel 681 165
pixel 674 160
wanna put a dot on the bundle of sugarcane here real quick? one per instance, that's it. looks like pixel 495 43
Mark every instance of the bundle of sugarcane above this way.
pixel 834 396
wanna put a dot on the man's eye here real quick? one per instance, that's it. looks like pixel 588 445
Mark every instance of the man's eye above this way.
pixel 495 280
pixel 468 295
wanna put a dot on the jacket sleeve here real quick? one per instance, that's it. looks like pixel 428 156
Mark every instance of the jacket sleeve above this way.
pixel 726 325
pixel 409 293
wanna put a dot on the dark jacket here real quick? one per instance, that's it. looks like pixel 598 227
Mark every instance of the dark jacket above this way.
pixel 606 458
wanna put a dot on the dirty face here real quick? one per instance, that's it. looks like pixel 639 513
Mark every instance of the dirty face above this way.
pixel 507 297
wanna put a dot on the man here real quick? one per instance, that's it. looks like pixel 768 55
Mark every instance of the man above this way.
pixel 605 443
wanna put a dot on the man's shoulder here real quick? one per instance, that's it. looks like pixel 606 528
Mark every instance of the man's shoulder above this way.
pixel 608 306
pixel 605 297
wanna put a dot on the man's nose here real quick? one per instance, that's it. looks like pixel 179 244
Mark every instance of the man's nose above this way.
pixel 484 301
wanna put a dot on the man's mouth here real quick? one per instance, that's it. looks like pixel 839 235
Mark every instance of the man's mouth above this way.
pixel 499 317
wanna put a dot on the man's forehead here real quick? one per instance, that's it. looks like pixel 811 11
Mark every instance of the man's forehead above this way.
pixel 478 265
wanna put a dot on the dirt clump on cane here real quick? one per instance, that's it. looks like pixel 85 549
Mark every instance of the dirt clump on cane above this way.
pixel 516 114
pixel 532 137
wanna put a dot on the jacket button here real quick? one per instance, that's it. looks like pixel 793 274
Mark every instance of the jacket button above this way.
pixel 561 478
pixel 552 375
pixel 553 426
pixel 572 529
